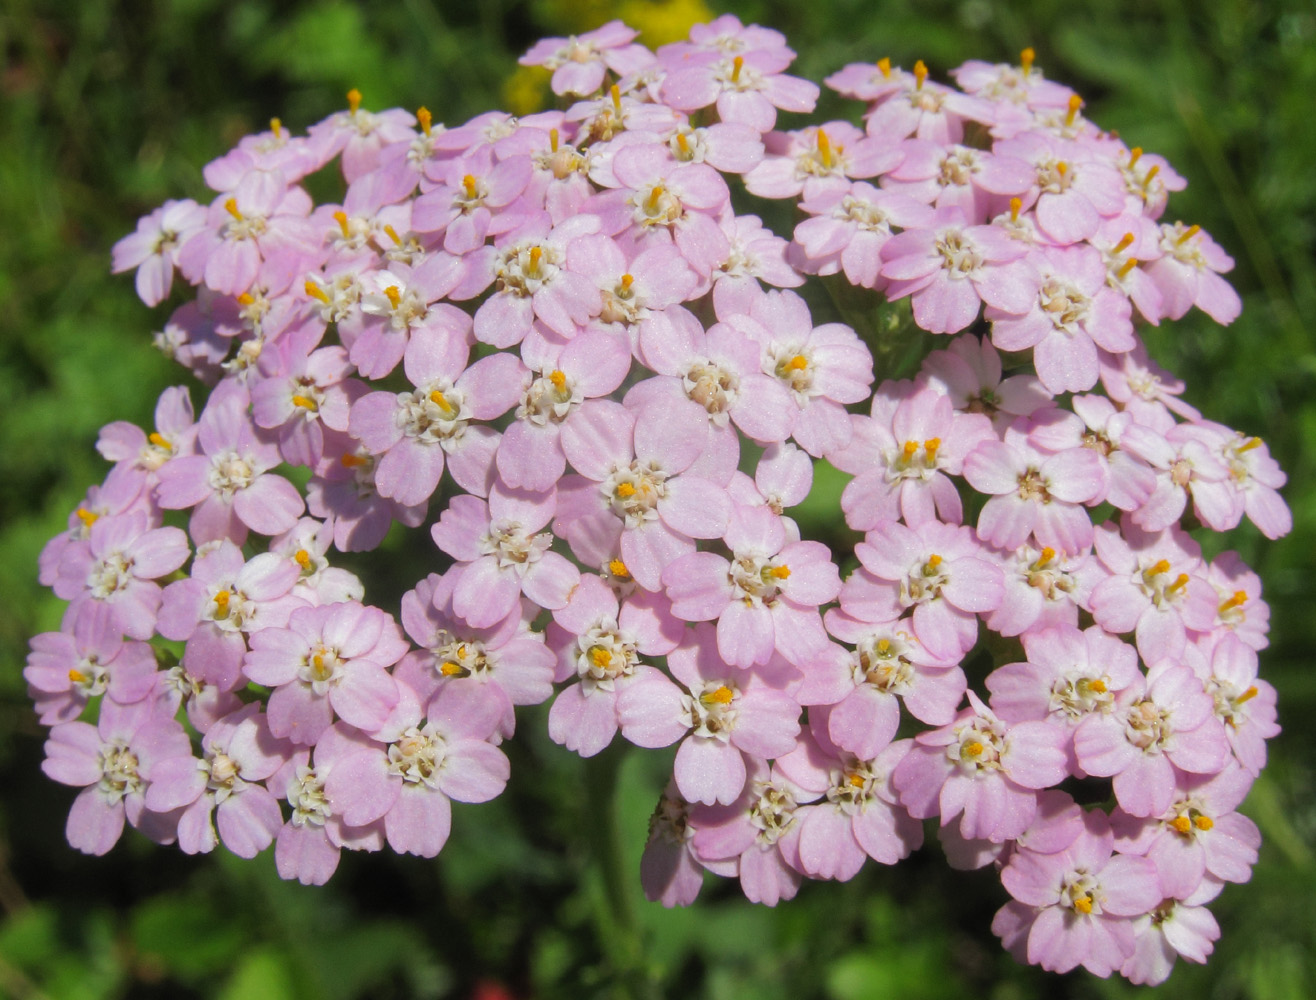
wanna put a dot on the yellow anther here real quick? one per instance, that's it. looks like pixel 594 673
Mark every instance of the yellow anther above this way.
pixel 910 448
pixel 625 490
pixel 973 749
pixel 1159 567
pixel 353 100
pixel 231 206
pixel 857 780
pixel 559 379
pixel 780 572
pixel 245 300
pixel 1135 154
pixel 884 647
pixel 618 569
pixel 552 139
pixel 393 235
pixel 1182 823
pixel 930 446
pixel 1016 204
pixel 276 127
pixel 616 99
pixel 824 149
pixel 920 74
pixel 1188 234
pixel 934 561
pixel 316 292
pixel 468 185
pixel 1247 695
pixel 1203 822
pixel 737 65
pixel 721 696
pixel 884 67
pixel 221 603
pixel 652 203
pixel 77 676
pixel 799 362
pixel 1151 174
pixel 340 217
pixel 451 669
pixel 353 461
pixel 1238 599
pixel 305 402
pixel 1075 102
pixel 160 441
pixel 1123 244
pixel 317 660
pixel 1026 58
pixel 1062 168
pixel 441 401
pixel 1097 685
pixel 1180 582
pixel 1126 267
pixel 394 297
pixel 1249 445
pixel 536 254
pixel 302 558
pixel 683 143
pixel 601 657
pixel 1044 558
pixel 461 650
pixel 626 281
pixel 87 517
pixel 1083 904
pixel 425 118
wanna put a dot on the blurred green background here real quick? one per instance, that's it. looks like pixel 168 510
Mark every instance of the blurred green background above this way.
pixel 108 108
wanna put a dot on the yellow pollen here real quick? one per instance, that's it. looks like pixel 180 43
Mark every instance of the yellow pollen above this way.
pixel 276 127
pixel 393 296
pixel 305 402
pixel 1151 174
pixel 451 669
pixel 1075 102
pixel 231 206
pixel 884 646
pixel 1251 443
pixel 781 572
pixel 1238 599
pixel 302 558
pixel 857 780
pixel 934 561
pixel 1161 566
pixel 616 99
pixel 1247 695
pixel 625 490
pixel 1182 823
pixel 1026 58
pixel 245 300
pixel 393 235
pixel 626 281
pixel 1135 154
pixel 77 676
pixel 601 657
pixel 1126 267
pixel 1123 244
pixel 88 518
pixel 559 379
pixel 920 74
pixel 722 696
pixel 316 292
pixel 552 139
pixel 799 362
pixel 1188 234
pixel 884 67
pixel 1203 822
pixel 930 446
pixel 536 254
pixel 1015 205
pixel 1083 904
pixel 736 65
pixel 910 448
pixel 1044 559
pixel 1180 582
pixel 353 461
pixel 461 650
pixel 160 441
pixel 221 602
pixel 973 749
pixel 340 217
pixel 468 184
pixel 618 568
pixel 824 149
pixel 681 141
pixel 441 401
pixel 318 661
pixel 651 203
pixel 1062 168
pixel 425 118
pixel 353 100
pixel 1097 685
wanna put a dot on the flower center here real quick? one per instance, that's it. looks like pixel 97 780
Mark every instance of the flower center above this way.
pixel 634 491
pixel 1147 726
pixel 307 798
pixel 880 663
pixel 549 399
pixel 118 772
pixel 230 472
pixel 959 255
pixel 712 387
pixel 773 813
pixel 417 756
pixel 606 654
pixel 434 413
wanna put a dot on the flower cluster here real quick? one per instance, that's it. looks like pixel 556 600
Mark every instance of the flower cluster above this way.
pixel 555 344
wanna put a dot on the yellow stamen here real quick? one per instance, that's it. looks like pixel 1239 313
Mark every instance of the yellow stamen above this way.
pixel 1097 685
pixel 318 662
pixel 536 254
pixel 88 518
pixel 884 646
pixel 1203 822
pixel 1015 205
pixel 910 448
pixel 340 217
pixel 1182 823
pixel 552 139
pixel 934 561
pixel 316 292
pixel 276 127
pixel 451 669
pixel 1161 566
pixel 1062 168
pixel 468 184
pixel 305 402
pixel 930 446
pixel 1026 58
pixel 559 379
pixel 231 206
pixel 1083 904
pixel 737 65
pixel 1135 154
pixel 824 149
pixel 441 401
pixel 884 67
pixel 393 296
pixel 920 74
pixel 302 558
pixel 601 657
pixel 1252 443
pixel 1075 102
pixel 799 362
pixel 393 235
pixel 1247 695
pixel 1180 582
pixel 973 749
pixel 626 281
pixel 1238 599
pixel 616 100
pixel 1126 267
pixel 1188 234
pixel 618 568
pixel 1123 244
pixel 1146 181
pixel 425 118
pixel 681 141
pixel 780 572
pixel 721 696
pixel 221 603
pixel 353 100
pixel 353 461
pixel 857 780
pixel 160 441
pixel 245 300
pixel 625 490
pixel 461 650
pixel 1044 558
pixel 77 676
pixel 651 204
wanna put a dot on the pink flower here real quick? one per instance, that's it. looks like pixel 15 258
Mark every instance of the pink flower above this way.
pixel 1188 274
pixel 580 62
pixel 747 88
pixel 66 669
pixel 153 249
